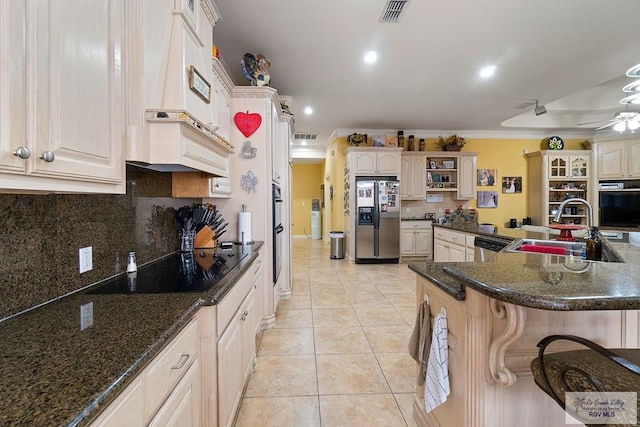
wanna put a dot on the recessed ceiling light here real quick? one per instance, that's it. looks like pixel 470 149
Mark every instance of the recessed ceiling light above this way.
pixel 303 143
pixel 308 111
pixel 371 57
pixel 488 71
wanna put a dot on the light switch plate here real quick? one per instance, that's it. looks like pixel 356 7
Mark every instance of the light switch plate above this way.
pixel 86 316
pixel 85 256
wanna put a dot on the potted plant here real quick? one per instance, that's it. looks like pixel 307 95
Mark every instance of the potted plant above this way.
pixel 451 143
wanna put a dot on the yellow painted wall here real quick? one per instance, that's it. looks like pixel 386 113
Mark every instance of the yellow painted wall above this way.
pixel 505 155
pixel 305 186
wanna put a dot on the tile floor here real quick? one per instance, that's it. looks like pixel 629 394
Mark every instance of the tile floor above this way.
pixel 338 354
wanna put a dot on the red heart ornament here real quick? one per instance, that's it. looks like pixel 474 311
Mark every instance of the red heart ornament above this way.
pixel 247 123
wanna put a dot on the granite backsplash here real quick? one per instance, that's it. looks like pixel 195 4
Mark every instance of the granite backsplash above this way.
pixel 42 235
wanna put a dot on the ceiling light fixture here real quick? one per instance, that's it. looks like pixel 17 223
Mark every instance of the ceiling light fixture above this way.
pixel 631 99
pixel 303 143
pixel 308 111
pixel 488 71
pixel 540 109
pixel 620 126
pixel 632 87
pixel 634 71
pixel 371 57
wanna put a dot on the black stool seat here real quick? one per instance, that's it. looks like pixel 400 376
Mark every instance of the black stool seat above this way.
pixel 595 369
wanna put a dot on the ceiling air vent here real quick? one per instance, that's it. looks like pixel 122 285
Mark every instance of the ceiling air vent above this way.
pixel 306 136
pixel 392 10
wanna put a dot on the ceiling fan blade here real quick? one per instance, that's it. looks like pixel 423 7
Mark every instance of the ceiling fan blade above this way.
pixel 607 125
pixel 597 121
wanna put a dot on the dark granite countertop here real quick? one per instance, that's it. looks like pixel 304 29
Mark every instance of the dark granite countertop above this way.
pixel 548 282
pixel 54 374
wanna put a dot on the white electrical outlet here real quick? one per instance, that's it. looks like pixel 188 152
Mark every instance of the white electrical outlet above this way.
pixel 85 255
pixel 86 316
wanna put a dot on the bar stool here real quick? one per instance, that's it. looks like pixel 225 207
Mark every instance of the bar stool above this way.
pixel 595 369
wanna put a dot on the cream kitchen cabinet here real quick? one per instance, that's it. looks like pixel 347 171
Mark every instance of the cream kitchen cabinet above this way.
pixel 412 176
pixel 467 176
pixel 238 324
pixel 554 177
pixel 166 392
pixel 374 161
pixel 415 238
pixel 449 245
pixel 575 166
pixel 618 159
pixel 62 110
pixel 451 172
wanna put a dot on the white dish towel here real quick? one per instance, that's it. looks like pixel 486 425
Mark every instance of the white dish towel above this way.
pixel 436 387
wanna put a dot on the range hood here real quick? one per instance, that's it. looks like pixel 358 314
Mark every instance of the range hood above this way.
pixel 171 111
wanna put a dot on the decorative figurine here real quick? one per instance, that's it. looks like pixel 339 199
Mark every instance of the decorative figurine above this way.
pixel 255 69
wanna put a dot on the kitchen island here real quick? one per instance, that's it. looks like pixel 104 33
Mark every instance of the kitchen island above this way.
pixel 497 311
pixel 55 373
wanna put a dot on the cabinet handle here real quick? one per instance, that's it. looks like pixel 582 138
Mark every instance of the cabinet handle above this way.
pixel 48 156
pixel 244 315
pixel 183 361
pixel 22 152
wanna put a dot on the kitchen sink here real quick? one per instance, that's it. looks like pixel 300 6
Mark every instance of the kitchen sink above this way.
pixel 557 247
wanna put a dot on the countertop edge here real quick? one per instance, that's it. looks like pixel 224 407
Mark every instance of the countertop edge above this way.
pixel 437 276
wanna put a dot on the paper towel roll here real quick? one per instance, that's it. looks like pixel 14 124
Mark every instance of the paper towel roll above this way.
pixel 244 227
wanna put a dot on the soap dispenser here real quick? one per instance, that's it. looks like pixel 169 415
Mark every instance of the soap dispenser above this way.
pixel 594 246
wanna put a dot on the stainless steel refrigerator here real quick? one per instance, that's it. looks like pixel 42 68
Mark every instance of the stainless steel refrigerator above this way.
pixel 377 220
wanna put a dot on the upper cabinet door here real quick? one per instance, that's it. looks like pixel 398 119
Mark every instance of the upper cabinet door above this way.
pixel 467 177
pixel 612 160
pixel 579 166
pixel 79 88
pixel 388 163
pixel 633 158
pixel 559 167
pixel 61 93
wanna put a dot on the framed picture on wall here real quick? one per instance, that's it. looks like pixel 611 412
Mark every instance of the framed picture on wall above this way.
pixel 487 199
pixel 487 177
pixel 512 184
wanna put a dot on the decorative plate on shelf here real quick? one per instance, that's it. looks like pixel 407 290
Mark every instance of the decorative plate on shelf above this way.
pixel 555 143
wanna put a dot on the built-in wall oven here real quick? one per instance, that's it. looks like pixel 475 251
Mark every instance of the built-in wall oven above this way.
pixel 278 230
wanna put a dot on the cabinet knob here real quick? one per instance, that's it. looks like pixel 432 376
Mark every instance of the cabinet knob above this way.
pixel 22 152
pixel 48 156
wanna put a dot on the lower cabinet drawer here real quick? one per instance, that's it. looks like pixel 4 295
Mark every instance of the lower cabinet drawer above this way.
pixel 162 375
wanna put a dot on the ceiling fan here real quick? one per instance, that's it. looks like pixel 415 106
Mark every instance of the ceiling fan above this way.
pixel 621 121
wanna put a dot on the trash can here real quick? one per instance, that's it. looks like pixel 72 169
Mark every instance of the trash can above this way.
pixel 337 244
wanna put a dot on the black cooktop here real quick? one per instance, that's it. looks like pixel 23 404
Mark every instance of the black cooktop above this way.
pixel 179 272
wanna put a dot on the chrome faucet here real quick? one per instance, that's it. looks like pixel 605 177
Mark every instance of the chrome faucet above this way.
pixel 558 214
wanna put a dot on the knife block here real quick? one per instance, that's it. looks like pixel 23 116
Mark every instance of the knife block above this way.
pixel 205 238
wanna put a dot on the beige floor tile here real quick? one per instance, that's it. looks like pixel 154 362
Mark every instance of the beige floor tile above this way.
pixel 279 412
pixel 286 341
pixel 350 374
pixel 300 287
pixel 370 410
pixel 388 339
pixel 328 300
pixel 341 340
pixel 405 401
pixel 296 301
pixel 397 299
pixel 379 316
pixel 329 317
pixel 283 376
pixel 400 370
pixel 364 299
pixel 408 313
pixel 300 318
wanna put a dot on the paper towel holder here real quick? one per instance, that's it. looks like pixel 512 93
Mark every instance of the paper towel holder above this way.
pixel 241 240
